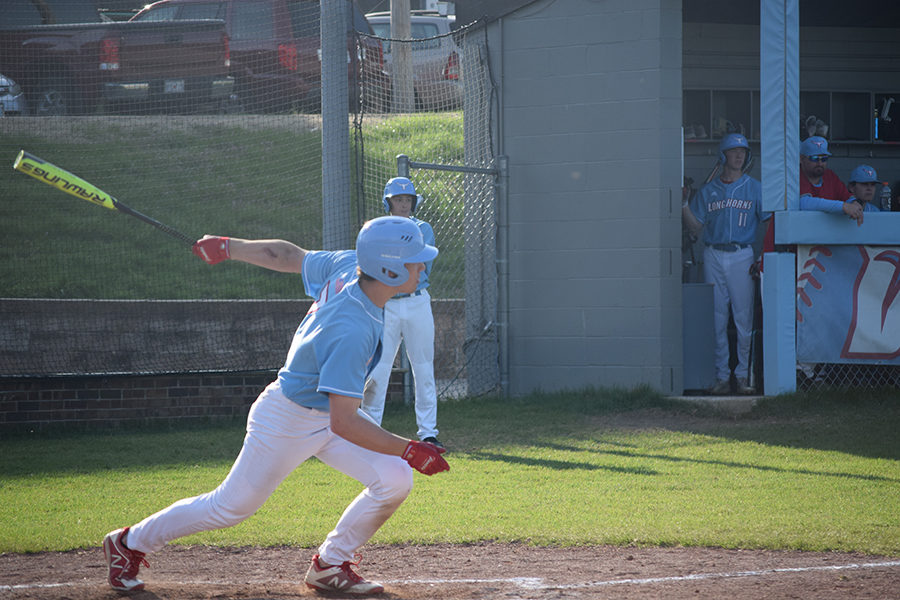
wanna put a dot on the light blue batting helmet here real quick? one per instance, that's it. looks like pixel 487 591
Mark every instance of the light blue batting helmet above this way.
pixel 386 244
pixel 733 140
pixel 400 186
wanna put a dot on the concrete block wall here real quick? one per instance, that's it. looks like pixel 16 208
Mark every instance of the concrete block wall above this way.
pixel 591 117
pixel 40 337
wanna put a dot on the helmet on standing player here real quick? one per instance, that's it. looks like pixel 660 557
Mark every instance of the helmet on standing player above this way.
pixel 400 186
pixel 733 140
pixel 386 244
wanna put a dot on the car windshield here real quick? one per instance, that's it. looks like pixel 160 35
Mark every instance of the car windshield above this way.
pixel 18 13
pixel 183 12
pixel 418 31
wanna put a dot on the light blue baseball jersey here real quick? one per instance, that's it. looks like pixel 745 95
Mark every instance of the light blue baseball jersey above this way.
pixel 868 206
pixel 339 340
pixel 428 234
pixel 808 202
pixel 730 212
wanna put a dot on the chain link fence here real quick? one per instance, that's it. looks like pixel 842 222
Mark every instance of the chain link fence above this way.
pixel 845 376
pixel 446 150
pixel 88 291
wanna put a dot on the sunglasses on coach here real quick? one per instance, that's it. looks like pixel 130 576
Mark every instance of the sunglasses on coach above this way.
pixel 818 158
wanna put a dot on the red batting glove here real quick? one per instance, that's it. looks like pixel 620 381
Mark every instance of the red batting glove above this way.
pixel 212 249
pixel 425 458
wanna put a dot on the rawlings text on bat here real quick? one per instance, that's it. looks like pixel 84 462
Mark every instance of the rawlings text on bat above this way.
pixel 78 187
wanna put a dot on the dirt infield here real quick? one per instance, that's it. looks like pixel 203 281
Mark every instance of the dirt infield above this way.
pixel 476 572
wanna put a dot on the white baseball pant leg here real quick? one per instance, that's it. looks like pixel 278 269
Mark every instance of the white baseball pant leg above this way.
pixel 377 384
pixel 418 333
pixel 280 436
pixel 412 320
pixel 729 272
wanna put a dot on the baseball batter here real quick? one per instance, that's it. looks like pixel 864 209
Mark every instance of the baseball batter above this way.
pixel 312 408
pixel 408 316
pixel 729 210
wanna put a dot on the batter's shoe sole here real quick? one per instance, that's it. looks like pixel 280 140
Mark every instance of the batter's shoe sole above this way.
pixel 339 579
pixel 124 563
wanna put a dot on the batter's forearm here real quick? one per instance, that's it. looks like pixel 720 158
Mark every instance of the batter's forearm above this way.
pixel 276 255
pixel 362 432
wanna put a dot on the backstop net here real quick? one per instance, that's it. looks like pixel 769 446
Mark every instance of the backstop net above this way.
pixel 91 291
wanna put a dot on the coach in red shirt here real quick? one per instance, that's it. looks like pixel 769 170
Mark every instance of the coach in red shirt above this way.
pixel 820 188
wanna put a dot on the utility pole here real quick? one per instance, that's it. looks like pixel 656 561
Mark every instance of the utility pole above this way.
pixel 336 234
pixel 401 57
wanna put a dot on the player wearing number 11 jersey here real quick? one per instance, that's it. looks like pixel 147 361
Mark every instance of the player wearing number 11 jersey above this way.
pixel 729 211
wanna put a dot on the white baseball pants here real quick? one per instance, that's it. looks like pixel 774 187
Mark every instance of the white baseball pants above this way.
pixel 412 320
pixel 729 272
pixel 280 436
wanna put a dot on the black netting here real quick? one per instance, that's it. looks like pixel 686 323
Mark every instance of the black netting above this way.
pixel 236 151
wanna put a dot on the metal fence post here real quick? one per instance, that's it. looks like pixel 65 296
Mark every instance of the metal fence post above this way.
pixel 334 16
pixel 402 166
pixel 502 191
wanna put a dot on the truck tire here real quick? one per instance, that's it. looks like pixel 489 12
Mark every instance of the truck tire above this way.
pixel 231 105
pixel 53 98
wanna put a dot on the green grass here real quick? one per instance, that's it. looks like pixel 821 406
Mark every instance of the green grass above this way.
pixel 618 467
pixel 239 176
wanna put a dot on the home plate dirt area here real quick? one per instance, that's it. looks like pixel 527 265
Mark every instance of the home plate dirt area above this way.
pixel 479 572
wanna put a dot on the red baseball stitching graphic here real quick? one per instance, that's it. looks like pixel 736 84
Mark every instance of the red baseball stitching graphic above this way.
pixel 883 344
pixel 892 257
pixel 806 276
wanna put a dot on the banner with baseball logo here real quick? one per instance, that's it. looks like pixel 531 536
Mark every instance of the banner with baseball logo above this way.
pixel 848 306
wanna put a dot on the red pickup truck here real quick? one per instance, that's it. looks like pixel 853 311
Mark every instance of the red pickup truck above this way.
pixel 69 62
pixel 275 50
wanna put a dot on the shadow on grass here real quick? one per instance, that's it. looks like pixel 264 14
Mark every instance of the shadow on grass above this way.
pixel 558 465
pixel 860 424
pixel 721 463
pixel 856 422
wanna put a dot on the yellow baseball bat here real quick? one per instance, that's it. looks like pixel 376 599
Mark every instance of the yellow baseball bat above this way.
pixel 74 185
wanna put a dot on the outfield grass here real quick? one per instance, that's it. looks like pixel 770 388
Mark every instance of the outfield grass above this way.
pixel 241 176
pixel 807 472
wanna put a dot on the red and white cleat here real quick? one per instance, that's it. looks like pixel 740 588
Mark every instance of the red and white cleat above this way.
pixel 339 578
pixel 123 562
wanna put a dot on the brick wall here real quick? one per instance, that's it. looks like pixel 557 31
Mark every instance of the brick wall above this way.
pixel 120 402
pixel 116 402
pixel 100 342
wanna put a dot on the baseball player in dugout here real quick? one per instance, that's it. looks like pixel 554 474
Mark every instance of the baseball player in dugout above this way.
pixel 312 408
pixel 728 211
pixel 862 184
pixel 407 315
